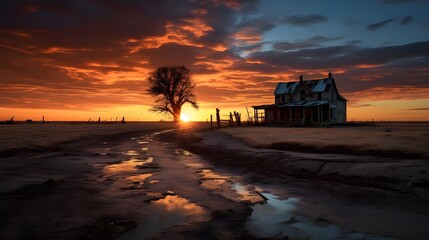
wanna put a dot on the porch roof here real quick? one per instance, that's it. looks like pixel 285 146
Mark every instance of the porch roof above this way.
pixel 304 104
pixel 265 106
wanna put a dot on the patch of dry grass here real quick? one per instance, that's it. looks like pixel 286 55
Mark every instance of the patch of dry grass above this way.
pixel 393 140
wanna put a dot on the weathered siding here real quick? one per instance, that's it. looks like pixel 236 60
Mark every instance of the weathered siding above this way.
pixel 342 113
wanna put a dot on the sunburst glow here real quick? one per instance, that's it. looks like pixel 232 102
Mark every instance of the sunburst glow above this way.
pixel 184 118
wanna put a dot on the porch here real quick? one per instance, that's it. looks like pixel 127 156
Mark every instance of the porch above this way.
pixel 300 113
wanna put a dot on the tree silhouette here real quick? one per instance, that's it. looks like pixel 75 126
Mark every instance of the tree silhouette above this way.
pixel 173 87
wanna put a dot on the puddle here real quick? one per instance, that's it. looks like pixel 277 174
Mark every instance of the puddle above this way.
pixel 130 165
pixel 267 219
pixel 142 142
pixel 247 193
pixel 182 152
pixel 153 181
pixel 122 167
pixel 224 186
pixel 145 149
pixel 277 219
pixel 209 174
pixel 166 212
pixel 212 184
pixel 139 178
pixel 148 163
pixel 131 153
pixel 195 165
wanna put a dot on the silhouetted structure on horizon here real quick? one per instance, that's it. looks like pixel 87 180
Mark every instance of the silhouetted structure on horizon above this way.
pixel 304 102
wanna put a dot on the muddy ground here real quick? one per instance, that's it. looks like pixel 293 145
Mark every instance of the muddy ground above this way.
pixel 183 184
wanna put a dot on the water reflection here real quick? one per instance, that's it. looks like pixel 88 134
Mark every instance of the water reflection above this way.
pixel 139 178
pixel 267 219
pixel 212 184
pixel 247 193
pixel 224 186
pixel 122 167
pixel 277 218
pixel 166 212
pixel 209 174
pixel 131 153
pixel 182 152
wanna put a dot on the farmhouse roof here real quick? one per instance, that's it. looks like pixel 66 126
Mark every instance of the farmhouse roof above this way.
pixel 316 86
pixel 319 85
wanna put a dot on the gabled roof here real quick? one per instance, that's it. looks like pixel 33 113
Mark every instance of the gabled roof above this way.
pixel 316 86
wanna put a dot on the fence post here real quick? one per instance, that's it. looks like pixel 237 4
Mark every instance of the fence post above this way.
pixel 217 118
pixel 211 122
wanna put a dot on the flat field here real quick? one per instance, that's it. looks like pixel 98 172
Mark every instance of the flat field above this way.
pixel 393 140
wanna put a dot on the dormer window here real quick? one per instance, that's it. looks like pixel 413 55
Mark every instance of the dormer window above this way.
pixel 319 96
pixel 302 95
pixel 283 98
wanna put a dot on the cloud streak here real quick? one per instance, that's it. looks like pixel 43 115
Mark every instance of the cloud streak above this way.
pixel 304 20
pixel 378 25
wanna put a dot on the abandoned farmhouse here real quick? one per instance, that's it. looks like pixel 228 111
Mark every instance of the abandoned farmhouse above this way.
pixel 310 102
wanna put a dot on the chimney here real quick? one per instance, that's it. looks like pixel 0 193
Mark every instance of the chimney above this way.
pixel 329 75
pixel 300 78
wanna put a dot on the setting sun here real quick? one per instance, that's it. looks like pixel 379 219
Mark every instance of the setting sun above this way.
pixel 184 118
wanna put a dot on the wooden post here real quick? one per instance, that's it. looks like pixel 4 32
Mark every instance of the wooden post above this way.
pixel 123 120
pixel 99 120
pixel 318 114
pixel 217 117
pixel 89 120
pixel 231 120
pixel 236 118
pixel 239 119
pixel 43 119
pixel 303 116
pixel 211 122
pixel 255 116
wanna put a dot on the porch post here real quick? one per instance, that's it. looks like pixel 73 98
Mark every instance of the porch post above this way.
pixel 318 114
pixel 321 114
pixel 303 115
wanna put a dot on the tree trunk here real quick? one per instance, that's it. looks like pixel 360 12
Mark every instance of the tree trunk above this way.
pixel 176 115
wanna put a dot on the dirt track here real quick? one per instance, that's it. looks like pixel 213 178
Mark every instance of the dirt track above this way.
pixel 173 185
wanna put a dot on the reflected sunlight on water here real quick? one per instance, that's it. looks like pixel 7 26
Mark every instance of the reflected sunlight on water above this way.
pixel 278 218
pixel 182 152
pixel 122 167
pixel 178 204
pixel 131 153
pixel 139 178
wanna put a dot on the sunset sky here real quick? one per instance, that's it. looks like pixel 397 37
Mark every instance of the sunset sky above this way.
pixel 72 60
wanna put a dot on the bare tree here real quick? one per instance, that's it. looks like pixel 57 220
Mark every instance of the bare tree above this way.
pixel 173 87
